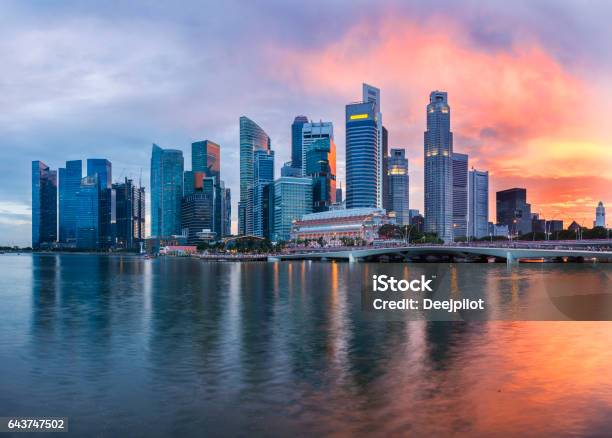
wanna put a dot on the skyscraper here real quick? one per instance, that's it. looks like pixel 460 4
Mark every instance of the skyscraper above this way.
pixel 206 163
pixel 460 195
pixel 398 183
pixel 129 214
pixel 292 200
pixel 252 138
pixel 372 94
pixel 226 210
pixel 103 168
pixel 44 205
pixel 198 211
pixel 362 155
pixel 166 191
pixel 478 209
pixel 320 165
pixel 69 183
pixel 386 193
pixel 438 167
pixel 206 157
pixel 514 211
pixel 312 132
pixel 296 141
pixel 339 194
pixel 600 215
pixel 88 213
pixel 263 175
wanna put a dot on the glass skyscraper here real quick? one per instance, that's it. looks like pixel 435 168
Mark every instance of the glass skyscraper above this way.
pixel 372 94
pixel 129 214
pixel 226 210
pixel 263 175
pixel 398 183
pixel 438 167
pixel 198 211
pixel 362 155
pixel 292 200
pixel 514 211
pixel 296 141
pixel 478 212
pixel 320 165
pixel 88 213
pixel 44 205
pixel 206 163
pixel 103 168
pixel 166 191
pixel 460 195
pixel 252 138
pixel 386 194
pixel 312 132
pixel 206 157
pixel 69 184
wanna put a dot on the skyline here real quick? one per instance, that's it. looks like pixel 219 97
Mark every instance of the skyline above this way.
pixel 529 93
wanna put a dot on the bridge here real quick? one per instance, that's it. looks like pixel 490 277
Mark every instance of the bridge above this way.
pixel 510 254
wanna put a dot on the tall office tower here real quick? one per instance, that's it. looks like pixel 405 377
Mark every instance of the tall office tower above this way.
pixel 296 141
pixel 263 175
pixel 460 195
pixel 600 215
pixel 166 191
pixel 188 182
pixel 478 209
pixel 252 138
pixel 362 155
pixel 268 211
pixel 514 211
pixel 88 213
pixel 372 94
pixel 103 168
pixel 69 183
pixel 226 210
pixel 320 165
pixel 129 214
pixel 438 167
pixel 206 157
pixel 386 193
pixel 292 200
pixel 398 183
pixel 311 132
pixel 44 205
pixel 339 194
pixel 198 211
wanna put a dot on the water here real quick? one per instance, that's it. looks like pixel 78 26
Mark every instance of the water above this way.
pixel 131 347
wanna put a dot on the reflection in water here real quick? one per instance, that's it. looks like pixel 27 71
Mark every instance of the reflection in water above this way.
pixel 127 346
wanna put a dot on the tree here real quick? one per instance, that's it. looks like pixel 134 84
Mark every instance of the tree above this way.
pixel 389 231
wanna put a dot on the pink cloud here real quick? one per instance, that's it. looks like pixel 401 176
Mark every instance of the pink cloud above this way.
pixel 518 112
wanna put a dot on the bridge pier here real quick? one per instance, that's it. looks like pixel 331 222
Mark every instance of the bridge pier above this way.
pixel 352 258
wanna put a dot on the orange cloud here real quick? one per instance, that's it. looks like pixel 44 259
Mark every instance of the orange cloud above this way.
pixel 517 111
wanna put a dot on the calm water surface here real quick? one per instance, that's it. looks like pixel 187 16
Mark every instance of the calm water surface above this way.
pixel 131 347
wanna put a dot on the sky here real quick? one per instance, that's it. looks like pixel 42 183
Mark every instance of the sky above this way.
pixel 529 85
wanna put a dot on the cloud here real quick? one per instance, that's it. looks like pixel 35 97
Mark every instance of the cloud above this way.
pixel 515 109
pixel 528 82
